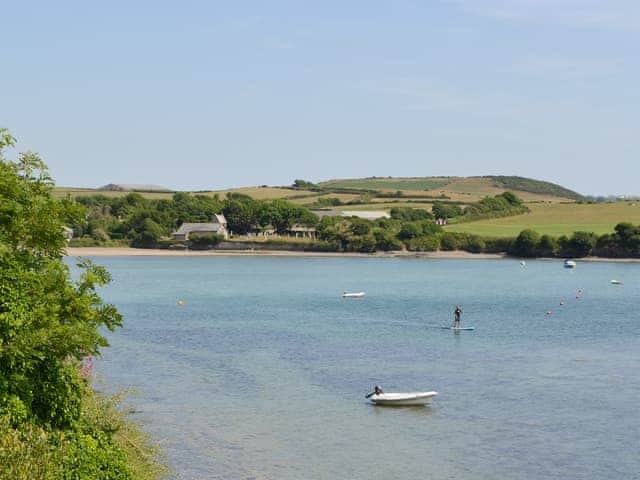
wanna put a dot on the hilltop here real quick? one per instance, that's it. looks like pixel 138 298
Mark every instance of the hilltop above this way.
pixel 380 192
pixel 459 188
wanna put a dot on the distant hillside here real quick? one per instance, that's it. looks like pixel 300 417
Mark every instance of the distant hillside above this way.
pixel 457 188
pixel 530 185
pixel 374 193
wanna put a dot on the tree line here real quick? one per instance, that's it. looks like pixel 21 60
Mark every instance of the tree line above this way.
pixel 144 222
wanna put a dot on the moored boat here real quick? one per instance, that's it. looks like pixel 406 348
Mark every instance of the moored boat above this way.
pixel 403 399
pixel 569 264
pixel 353 295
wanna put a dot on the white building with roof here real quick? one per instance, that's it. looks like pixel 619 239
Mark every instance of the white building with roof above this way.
pixel 217 226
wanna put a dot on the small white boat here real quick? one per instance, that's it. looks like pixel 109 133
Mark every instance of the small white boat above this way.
pixel 523 263
pixel 616 282
pixel 403 399
pixel 353 295
pixel 569 264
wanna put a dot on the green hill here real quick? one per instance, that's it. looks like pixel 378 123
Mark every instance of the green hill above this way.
pixel 457 188
pixel 530 185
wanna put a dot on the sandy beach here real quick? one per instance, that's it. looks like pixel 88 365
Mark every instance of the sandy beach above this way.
pixel 147 252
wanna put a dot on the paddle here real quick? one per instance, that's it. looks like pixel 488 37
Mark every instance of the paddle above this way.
pixel 369 395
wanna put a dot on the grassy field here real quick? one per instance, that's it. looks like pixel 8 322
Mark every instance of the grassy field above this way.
pixel 557 219
pixel 385 206
pixel 259 193
pixel 264 193
pixel 471 189
pixel 463 189
pixel 389 184
pixel 344 197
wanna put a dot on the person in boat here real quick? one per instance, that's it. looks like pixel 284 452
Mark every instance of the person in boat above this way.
pixel 376 391
pixel 457 313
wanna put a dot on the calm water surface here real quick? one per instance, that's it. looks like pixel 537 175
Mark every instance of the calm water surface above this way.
pixel 262 373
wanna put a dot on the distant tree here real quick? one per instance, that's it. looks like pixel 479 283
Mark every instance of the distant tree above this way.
pixel 526 244
pixel 449 241
pixel 475 244
pixel 242 214
pixel 410 230
pixel 303 184
pixel 282 215
pixel 580 244
pixel 386 240
pixel 148 234
pixel 409 214
pixel 511 198
pixel 424 243
pixel 547 246
pixel 444 210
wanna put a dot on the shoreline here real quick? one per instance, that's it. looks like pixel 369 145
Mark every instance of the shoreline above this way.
pixel 152 252
pixel 451 255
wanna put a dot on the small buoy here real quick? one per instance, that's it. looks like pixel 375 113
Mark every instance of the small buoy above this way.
pixel 562 302
pixel 548 312
pixel 180 303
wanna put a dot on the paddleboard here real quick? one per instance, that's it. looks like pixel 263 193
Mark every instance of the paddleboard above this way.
pixel 459 328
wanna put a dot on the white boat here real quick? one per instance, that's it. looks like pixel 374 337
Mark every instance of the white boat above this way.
pixel 569 264
pixel 353 295
pixel 402 399
pixel 616 282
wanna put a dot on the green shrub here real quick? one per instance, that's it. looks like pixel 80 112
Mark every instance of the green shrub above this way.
pixel 449 241
pixel 497 245
pixel 526 244
pixel 387 241
pixel 429 243
pixel 204 240
pixel 475 244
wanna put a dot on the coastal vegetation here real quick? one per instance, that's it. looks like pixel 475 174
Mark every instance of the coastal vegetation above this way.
pixel 148 223
pixel 53 425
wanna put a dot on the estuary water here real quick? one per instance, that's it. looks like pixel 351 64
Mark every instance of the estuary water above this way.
pixel 262 373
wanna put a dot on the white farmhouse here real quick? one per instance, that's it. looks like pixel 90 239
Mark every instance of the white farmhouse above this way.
pixel 218 226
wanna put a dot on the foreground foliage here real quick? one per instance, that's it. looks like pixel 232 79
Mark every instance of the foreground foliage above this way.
pixel 51 423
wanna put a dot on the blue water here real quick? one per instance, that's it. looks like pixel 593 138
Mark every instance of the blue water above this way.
pixel 262 373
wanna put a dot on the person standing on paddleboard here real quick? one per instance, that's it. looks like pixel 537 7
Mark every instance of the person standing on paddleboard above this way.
pixel 456 317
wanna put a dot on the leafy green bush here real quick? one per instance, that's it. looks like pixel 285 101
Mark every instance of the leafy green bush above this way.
pixel 526 244
pixel 48 325
pixel 425 243
pixel 387 241
pixel 204 240
pixel 449 241
pixel 408 214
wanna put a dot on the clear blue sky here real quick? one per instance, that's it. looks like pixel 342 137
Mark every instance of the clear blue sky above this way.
pixel 205 94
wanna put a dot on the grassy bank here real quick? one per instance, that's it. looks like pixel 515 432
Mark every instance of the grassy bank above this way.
pixel 104 444
pixel 556 219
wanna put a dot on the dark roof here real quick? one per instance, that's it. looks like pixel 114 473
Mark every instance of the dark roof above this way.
pixel 187 228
